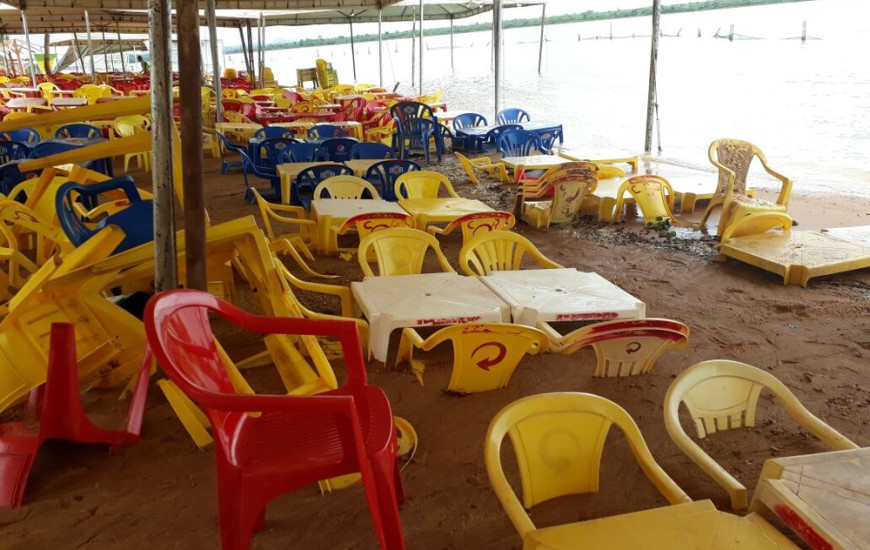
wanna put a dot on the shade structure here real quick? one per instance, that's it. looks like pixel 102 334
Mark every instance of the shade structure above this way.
pixel 107 47
pixel 219 4
pixel 63 20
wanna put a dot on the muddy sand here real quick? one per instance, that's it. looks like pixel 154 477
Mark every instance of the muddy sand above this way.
pixel 161 492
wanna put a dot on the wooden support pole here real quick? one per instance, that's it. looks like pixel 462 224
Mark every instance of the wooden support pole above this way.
pixel 120 48
pixel 653 62
pixel 421 47
pixel 165 260
pixel 252 73
pixel 451 42
pixel 90 47
pixel 46 57
pixel 380 49
pixel 244 50
pixel 352 49
pixel 413 44
pixel 496 48
pixel 106 54
pixel 190 83
pixel 541 44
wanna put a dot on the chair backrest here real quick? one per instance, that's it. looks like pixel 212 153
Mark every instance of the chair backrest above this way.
pixel 345 187
pixel 326 131
pixel 68 217
pixel 468 120
pixel 399 251
pixel 13 150
pixel 422 184
pixel 268 132
pixel 492 136
pixel 722 395
pixel 570 186
pixel 366 223
pixel 26 135
pixel 45 149
pixel 354 109
pixel 406 111
pixel 338 148
pixel 558 439
pixel 236 117
pixel 512 115
pixel 499 250
pixel 302 190
pixel 756 224
pixel 476 222
pixel 301 151
pixel 384 174
pixel 732 157
pixel 78 130
pixel 625 347
pixel 517 143
pixel 276 151
pixel 653 195
pixel 548 139
pixel 371 150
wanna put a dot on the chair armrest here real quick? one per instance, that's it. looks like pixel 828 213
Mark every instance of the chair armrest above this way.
pixel 785 190
pixel 342 292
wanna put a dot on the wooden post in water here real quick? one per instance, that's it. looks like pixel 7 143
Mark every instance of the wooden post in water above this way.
pixel 611 31
pixel 541 45
pixel 413 44
pixel 451 42
pixel 731 33
pixel 804 32
pixel 421 47
pixel 380 49
pixel 215 61
pixel 653 61
pixel 165 260
pixel 190 82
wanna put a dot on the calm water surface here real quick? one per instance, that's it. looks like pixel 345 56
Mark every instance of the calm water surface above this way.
pixel 807 105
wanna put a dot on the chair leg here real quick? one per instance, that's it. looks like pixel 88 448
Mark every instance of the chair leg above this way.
pixel 235 530
pixel 388 492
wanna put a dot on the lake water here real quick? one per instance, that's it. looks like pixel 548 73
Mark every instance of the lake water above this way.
pixel 805 104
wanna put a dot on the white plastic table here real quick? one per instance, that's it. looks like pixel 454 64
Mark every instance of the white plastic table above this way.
pixel 537 295
pixel 427 299
pixel 330 212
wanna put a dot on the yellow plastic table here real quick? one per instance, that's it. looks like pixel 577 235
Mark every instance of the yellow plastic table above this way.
pixel 692 525
pixel 68 101
pixel 330 212
pixel 360 166
pixel 534 162
pixel 824 497
pixel 426 211
pixel 599 157
pixel 427 299
pixel 238 132
pixel 541 295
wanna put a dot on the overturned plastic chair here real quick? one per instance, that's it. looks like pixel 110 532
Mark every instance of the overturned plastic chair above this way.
pixel 499 250
pixel 345 430
pixel 655 198
pixel 485 355
pixel 722 395
pixel 568 185
pixel 485 164
pixel 399 251
pixel 623 347
pixel 56 406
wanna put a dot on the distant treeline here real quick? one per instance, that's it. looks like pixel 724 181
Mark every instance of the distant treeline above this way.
pixel 529 22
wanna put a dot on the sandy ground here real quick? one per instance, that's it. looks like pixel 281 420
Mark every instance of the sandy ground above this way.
pixel 161 493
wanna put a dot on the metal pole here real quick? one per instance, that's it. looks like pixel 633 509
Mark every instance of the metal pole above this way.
pixel 215 65
pixel 90 47
pixel 121 48
pixel 653 60
pixel 352 52
pixel 541 46
pixel 251 69
pixel 159 32
pixel 81 60
pixel 413 44
pixel 29 48
pixel 496 45
pixel 189 83
pixel 46 57
pixel 261 38
pixel 380 50
pixel 105 53
pixel 451 42
pixel 421 47
pixel 244 49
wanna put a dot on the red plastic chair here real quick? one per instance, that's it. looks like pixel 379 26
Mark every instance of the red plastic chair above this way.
pixel 58 408
pixel 293 440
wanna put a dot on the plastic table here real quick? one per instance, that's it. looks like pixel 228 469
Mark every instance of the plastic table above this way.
pixel 542 295
pixel 823 497
pixel 426 211
pixel 334 212
pixel 427 299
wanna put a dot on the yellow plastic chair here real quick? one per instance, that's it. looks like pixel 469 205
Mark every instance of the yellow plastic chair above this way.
pixel 732 157
pixel 499 251
pixel 399 251
pixel 624 347
pixel 345 187
pixel 476 222
pixel 28 232
pixel 48 89
pixel 655 198
pixel 128 126
pixel 558 439
pixel 485 355
pixel 484 164
pixel 755 224
pixel 364 224
pixel 722 395
pixel 569 185
pixel 236 117
pixel 423 184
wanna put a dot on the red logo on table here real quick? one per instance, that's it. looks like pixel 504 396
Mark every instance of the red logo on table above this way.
pixel 486 362
pixel 802 528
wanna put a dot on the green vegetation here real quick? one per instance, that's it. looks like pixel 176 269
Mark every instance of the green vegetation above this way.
pixel 531 22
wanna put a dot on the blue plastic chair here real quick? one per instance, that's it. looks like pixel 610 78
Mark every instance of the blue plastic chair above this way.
pixel 13 150
pixel 10 176
pixel 48 148
pixel 304 152
pixel 383 176
pixel 415 127
pixel 548 139
pixel 490 141
pixel 137 220
pixel 302 190
pixel 372 150
pixel 466 120
pixel 338 149
pixel 517 143
pixel 24 135
pixel 224 146
pixel 78 130
pixel 326 131
pixel 271 152
pixel 268 132
pixel 512 115
pixel 248 167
